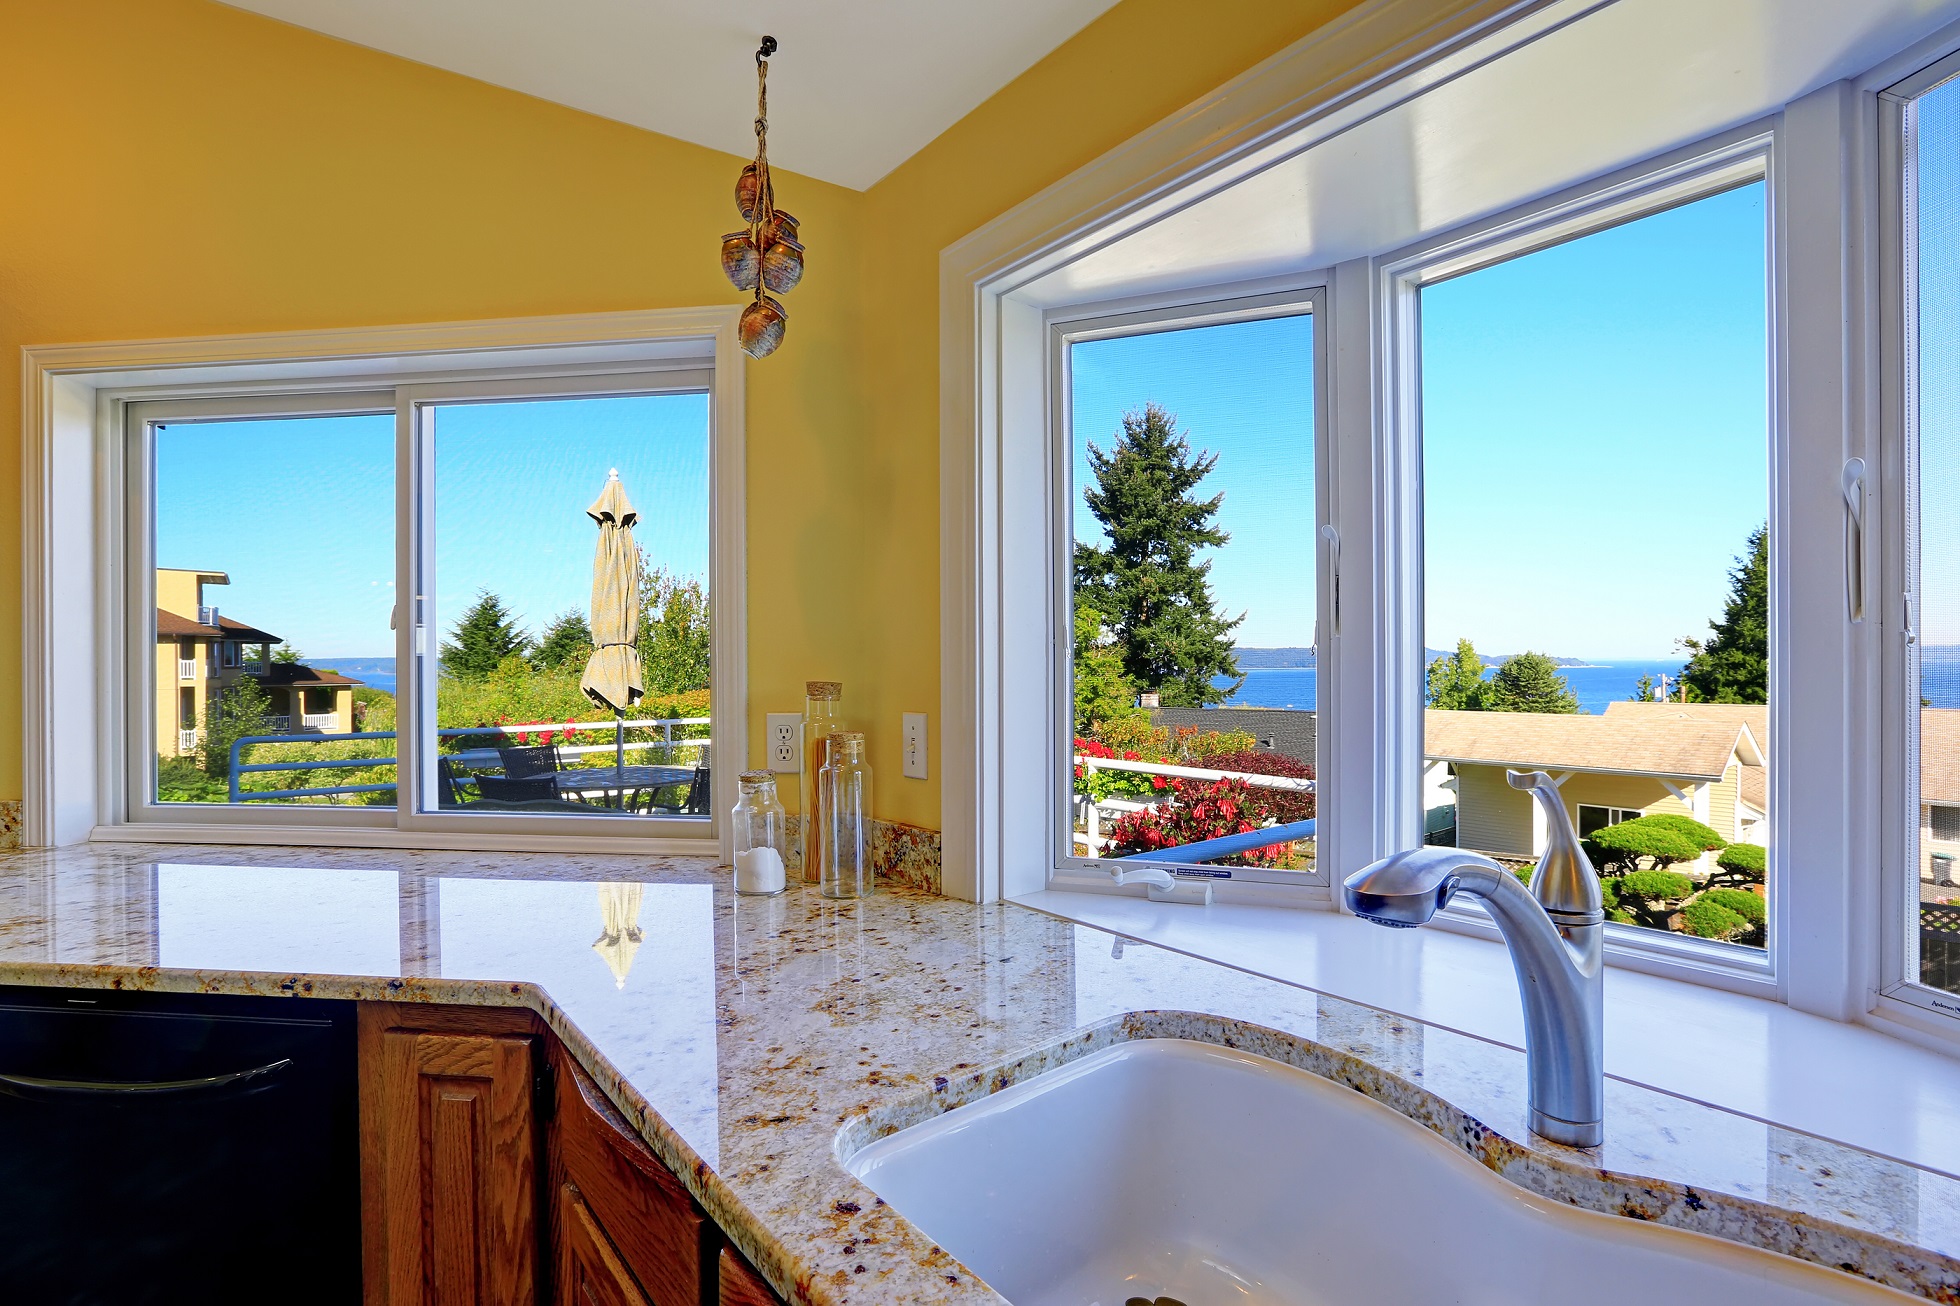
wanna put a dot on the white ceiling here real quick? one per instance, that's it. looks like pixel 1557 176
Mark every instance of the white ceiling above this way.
pixel 857 87
pixel 1623 83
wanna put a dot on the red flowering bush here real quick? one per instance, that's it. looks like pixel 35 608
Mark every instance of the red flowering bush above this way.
pixel 1195 811
pixel 1101 784
pixel 1285 805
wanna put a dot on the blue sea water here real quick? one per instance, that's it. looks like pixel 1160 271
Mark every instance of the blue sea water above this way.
pixel 1595 686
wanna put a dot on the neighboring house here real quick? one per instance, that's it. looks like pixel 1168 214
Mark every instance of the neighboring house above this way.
pixel 1273 729
pixel 1609 768
pixel 201 652
pixel 1754 792
pixel 1939 796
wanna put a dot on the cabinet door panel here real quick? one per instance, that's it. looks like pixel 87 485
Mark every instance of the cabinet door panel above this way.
pixel 740 1285
pixel 455 1138
pixel 590 1272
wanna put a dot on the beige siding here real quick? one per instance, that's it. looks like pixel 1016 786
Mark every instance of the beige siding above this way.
pixel 1721 803
pixel 1491 816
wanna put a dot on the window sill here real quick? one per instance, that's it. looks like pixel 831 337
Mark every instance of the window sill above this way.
pixel 1749 1055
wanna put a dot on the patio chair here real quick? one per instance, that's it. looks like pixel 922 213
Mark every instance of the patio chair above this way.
pixel 529 763
pixel 696 803
pixel 503 789
pixel 446 795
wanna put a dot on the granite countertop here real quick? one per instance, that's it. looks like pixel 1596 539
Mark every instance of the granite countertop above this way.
pixel 751 1040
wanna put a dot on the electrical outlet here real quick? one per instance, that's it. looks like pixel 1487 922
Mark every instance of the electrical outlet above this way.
pixel 915 745
pixel 785 737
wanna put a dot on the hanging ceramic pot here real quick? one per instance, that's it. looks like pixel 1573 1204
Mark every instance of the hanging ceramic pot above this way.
pixel 761 327
pixel 740 260
pixel 782 265
pixel 780 224
pixel 750 190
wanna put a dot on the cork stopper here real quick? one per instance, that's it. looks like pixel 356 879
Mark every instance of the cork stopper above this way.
pixel 757 777
pixel 848 736
pixel 831 690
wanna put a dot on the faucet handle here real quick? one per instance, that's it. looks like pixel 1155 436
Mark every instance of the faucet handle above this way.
pixel 1565 883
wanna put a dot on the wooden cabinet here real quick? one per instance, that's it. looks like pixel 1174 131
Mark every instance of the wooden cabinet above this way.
pixel 450 1161
pixel 590 1272
pixel 463 1133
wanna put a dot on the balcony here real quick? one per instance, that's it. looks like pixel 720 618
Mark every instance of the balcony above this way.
pixel 186 741
pixel 319 720
pixel 187 668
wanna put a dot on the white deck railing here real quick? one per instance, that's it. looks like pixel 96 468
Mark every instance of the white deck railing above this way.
pixel 187 668
pixel 1092 808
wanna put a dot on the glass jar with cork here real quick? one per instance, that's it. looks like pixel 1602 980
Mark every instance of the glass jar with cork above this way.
pixel 844 805
pixel 760 836
pixel 823 716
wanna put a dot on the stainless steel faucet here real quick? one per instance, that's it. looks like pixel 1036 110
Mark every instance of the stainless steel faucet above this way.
pixel 1556 933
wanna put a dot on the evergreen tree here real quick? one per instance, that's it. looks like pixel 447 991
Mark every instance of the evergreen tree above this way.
pixel 675 633
pixel 482 639
pixel 1530 682
pixel 565 644
pixel 1148 584
pixel 1103 694
pixel 286 655
pixel 1644 690
pixel 1456 680
pixel 1733 666
pixel 240 710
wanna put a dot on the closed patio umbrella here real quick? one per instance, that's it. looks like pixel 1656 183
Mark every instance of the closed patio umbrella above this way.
pixel 612 673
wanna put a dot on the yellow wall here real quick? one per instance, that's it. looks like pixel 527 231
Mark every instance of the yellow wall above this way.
pixel 175 167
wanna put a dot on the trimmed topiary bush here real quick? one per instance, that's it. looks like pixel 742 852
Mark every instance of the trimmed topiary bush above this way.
pixel 1750 906
pixel 1630 844
pixel 1711 920
pixel 1743 863
pixel 1655 886
pixel 1687 827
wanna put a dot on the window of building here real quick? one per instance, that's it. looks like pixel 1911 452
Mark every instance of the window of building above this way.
pixel 1595 519
pixel 1192 595
pixel 531 524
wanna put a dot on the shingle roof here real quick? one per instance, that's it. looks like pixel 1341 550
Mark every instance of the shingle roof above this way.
pixel 287 673
pixel 1279 730
pixel 1668 746
pixel 172 626
pixel 1939 755
pixel 1754 785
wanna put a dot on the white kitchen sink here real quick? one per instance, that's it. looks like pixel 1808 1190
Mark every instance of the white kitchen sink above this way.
pixel 1182 1170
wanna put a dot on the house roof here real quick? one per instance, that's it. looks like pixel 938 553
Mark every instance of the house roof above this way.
pixel 1278 730
pixel 1691 749
pixel 1754 785
pixel 1939 755
pixel 288 673
pixel 172 626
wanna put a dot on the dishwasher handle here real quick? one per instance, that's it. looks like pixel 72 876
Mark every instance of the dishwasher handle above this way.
pixel 33 1088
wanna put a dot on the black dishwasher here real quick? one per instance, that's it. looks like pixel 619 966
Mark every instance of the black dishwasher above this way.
pixel 164 1148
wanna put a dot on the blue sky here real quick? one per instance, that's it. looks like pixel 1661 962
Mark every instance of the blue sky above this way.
pixel 1939 377
pixel 300 513
pixel 1595 439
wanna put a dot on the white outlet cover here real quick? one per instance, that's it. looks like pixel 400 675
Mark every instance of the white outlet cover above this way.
pixel 784 740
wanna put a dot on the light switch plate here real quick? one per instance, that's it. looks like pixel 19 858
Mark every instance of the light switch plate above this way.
pixel 785 735
pixel 915 745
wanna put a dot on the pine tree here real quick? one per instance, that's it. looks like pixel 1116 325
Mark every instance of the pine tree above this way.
pixel 1530 682
pixel 482 639
pixel 1456 680
pixel 1153 592
pixel 1733 666
pixel 565 644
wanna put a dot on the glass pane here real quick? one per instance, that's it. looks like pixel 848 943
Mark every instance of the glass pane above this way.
pixel 1193 595
pixel 572 650
pixel 1595 516
pixel 1936 167
pixel 275 670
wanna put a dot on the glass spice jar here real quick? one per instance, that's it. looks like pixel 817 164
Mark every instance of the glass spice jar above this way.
pixel 844 801
pixel 760 831
pixel 822 717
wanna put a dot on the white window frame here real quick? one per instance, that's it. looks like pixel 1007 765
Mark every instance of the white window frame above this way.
pixel 1617 814
pixel 1076 325
pixel 1708 168
pixel 82 615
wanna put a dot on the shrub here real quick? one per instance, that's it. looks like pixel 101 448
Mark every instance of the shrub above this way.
pixel 1198 810
pixel 1195 747
pixel 1688 828
pixel 1655 886
pixel 1286 805
pixel 1134 735
pixel 1711 920
pixel 1609 899
pixel 1624 846
pixel 182 780
pixel 1101 784
pixel 1743 863
pixel 1750 906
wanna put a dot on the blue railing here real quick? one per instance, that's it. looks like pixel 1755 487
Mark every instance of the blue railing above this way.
pixel 1207 850
pixel 318 764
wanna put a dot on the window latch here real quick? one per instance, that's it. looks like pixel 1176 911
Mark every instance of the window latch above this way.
pixel 1912 635
pixel 1333 538
pixel 1854 540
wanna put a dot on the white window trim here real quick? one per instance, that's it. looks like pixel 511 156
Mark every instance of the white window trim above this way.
pixel 1191 310
pixel 75 398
